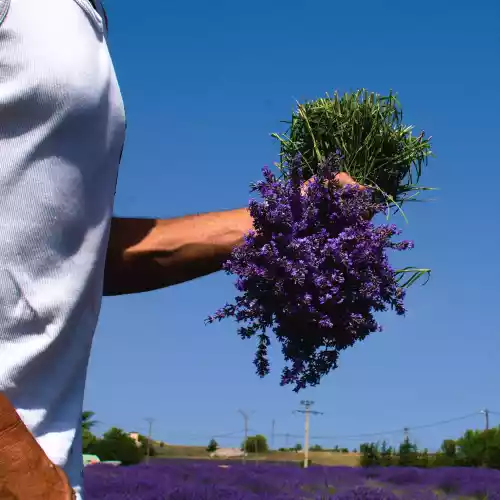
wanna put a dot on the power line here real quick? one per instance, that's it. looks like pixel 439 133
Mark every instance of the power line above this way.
pixel 397 431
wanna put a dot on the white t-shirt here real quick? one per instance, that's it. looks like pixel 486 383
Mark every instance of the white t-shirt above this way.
pixel 62 128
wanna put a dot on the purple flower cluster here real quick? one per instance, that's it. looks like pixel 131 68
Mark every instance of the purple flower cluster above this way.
pixel 314 271
pixel 191 480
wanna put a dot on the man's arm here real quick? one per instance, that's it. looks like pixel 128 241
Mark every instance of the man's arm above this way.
pixel 148 254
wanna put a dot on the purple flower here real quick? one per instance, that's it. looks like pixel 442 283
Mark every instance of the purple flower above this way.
pixel 314 272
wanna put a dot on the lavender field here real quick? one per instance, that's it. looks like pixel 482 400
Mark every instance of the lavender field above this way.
pixel 189 480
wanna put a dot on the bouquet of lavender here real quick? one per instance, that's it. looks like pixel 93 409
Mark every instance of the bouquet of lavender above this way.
pixel 315 270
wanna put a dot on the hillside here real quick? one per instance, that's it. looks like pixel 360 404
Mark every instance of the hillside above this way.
pixel 316 457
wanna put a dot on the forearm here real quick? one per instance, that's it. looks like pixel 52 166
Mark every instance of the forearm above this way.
pixel 148 254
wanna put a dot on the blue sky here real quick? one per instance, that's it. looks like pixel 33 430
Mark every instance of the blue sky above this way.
pixel 204 85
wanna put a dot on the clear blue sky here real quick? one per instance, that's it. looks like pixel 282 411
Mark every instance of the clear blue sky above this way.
pixel 205 83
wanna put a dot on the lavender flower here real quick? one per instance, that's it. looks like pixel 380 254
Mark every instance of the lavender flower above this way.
pixel 314 272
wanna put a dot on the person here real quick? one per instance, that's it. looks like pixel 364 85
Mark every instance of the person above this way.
pixel 62 130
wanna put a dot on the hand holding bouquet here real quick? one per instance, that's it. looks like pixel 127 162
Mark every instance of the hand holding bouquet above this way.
pixel 316 269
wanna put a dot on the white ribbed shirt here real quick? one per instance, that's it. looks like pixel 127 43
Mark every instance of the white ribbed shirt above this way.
pixel 62 128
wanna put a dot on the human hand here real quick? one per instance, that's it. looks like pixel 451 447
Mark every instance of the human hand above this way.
pixel 341 179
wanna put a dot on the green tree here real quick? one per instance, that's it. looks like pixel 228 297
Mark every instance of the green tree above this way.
pixel 88 420
pixel 386 455
pixel 298 447
pixel 449 448
pixel 370 455
pixel 471 448
pixel 479 448
pixel 255 444
pixel 88 437
pixel 316 447
pixel 88 441
pixel 212 446
pixel 118 445
pixel 407 453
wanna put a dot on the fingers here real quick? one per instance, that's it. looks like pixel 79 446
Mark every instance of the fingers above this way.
pixel 342 179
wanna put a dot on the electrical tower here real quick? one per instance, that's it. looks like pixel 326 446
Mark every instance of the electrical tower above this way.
pixel 406 431
pixel 307 412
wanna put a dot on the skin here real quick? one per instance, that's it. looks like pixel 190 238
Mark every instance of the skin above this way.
pixel 148 254
pixel 143 255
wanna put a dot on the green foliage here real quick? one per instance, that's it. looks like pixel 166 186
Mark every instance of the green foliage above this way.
pixel 162 444
pixel 88 420
pixel 316 447
pixel 117 445
pixel 298 447
pixel 255 444
pixel 408 454
pixel 88 440
pixel 368 129
pixel 386 455
pixel 474 449
pixel 449 448
pixel 212 446
pixel 379 150
pixel 370 455
pixel 480 448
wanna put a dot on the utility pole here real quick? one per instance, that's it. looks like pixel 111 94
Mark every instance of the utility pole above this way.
pixel 486 414
pixel 148 444
pixel 272 434
pixel 245 418
pixel 307 412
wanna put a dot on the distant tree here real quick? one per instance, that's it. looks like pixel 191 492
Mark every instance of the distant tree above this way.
pixel 88 420
pixel 386 454
pixel 370 455
pixel 344 450
pixel 255 444
pixel 212 446
pixel 316 447
pixel 407 453
pixel 88 441
pixel 423 459
pixel 298 447
pixel 88 438
pixel 354 450
pixel 162 444
pixel 118 445
pixel 449 448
